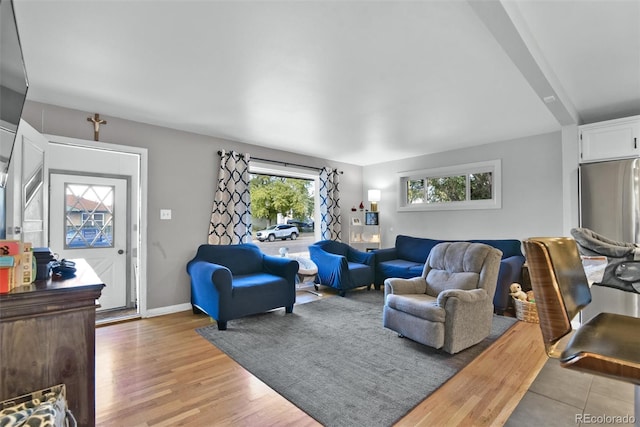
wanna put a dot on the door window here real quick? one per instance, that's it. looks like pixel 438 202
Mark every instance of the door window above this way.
pixel 89 218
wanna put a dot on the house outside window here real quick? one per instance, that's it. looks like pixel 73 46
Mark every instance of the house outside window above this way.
pixel 94 219
pixel 88 216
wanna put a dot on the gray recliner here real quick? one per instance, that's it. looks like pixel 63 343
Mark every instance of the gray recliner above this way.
pixel 623 259
pixel 451 305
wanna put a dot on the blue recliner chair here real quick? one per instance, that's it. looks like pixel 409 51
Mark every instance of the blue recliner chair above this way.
pixel 232 281
pixel 341 266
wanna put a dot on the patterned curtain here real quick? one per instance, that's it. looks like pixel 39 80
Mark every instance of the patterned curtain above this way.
pixel 330 228
pixel 231 214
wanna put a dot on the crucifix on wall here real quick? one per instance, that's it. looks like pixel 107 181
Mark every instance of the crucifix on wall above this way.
pixel 97 121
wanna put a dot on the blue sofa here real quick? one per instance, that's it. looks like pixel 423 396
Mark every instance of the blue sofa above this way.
pixel 407 259
pixel 231 281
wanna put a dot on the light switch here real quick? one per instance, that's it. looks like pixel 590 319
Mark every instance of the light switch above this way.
pixel 165 213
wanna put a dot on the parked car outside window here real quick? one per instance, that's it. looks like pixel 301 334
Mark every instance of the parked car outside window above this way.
pixel 280 231
pixel 302 225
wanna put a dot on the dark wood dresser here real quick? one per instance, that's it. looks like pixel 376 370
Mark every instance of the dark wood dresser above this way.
pixel 47 337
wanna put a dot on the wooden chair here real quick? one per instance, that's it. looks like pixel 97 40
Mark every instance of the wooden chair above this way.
pixel 606 345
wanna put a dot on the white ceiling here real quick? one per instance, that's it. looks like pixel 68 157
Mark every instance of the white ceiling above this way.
pixel 354 81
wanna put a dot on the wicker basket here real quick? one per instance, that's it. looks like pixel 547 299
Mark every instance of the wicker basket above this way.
pixel 526 311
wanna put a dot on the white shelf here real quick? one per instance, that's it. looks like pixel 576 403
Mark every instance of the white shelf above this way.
pixel 364 231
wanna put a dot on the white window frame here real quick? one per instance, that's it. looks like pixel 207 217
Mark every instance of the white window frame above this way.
pixel 96 217
pixel 493 166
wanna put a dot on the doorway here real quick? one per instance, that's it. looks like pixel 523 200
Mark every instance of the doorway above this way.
pixel 100 206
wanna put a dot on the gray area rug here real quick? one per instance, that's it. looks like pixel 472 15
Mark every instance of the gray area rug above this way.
pixel 333 359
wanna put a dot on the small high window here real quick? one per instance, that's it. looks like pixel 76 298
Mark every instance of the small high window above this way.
pixel 467 186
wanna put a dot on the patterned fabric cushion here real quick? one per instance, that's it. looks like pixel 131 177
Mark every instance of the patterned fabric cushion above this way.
pixel 46 408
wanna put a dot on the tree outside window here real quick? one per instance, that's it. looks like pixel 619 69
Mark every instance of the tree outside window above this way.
pixel 446 189
pixel 470 186
pixel 481 185
pixel 415 191
pixel 273 195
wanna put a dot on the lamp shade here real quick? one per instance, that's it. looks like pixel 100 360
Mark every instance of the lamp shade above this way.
pixel 374 198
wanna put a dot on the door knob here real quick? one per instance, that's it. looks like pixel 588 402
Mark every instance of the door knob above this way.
pixel 120 251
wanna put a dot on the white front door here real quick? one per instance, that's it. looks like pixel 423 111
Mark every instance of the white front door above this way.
pixel 27 188
pixel 88 219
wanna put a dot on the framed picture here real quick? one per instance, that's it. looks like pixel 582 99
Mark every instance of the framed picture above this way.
pixel 355 221
pixel 371 218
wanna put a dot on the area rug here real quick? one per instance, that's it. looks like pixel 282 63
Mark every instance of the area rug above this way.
pixel 333 359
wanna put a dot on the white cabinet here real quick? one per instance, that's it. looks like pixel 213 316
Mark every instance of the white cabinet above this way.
pixel 613 139
pixel 364 231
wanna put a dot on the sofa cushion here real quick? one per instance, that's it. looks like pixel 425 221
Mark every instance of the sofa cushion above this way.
pixel 509 247
pixel 414 249
pixel 361 273
pixel 400 268
pixel 419 305
pixel 242 259
pixel 446 280
pixel 258 283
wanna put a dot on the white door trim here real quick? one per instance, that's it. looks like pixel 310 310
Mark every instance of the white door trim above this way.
pixel 142 221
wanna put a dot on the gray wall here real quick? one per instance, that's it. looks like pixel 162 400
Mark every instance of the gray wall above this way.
pixel 183 171
pixel 182 176
pixel 532 197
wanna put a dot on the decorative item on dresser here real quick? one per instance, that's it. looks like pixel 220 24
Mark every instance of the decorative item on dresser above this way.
pixel 47 336
pixel 371 218
pixel 364 231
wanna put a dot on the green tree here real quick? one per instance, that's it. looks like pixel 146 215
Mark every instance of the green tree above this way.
pixel 273 195
pixel 481 186
pixel 415 191
pixel 447 189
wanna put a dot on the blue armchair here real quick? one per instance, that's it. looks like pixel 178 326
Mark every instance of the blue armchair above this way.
pixel 341 266
pixel 232 281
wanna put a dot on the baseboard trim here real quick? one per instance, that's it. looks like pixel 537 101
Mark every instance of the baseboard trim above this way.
pixel 161 311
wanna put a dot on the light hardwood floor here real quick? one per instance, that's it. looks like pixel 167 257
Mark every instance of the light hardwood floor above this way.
pixel 160 372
